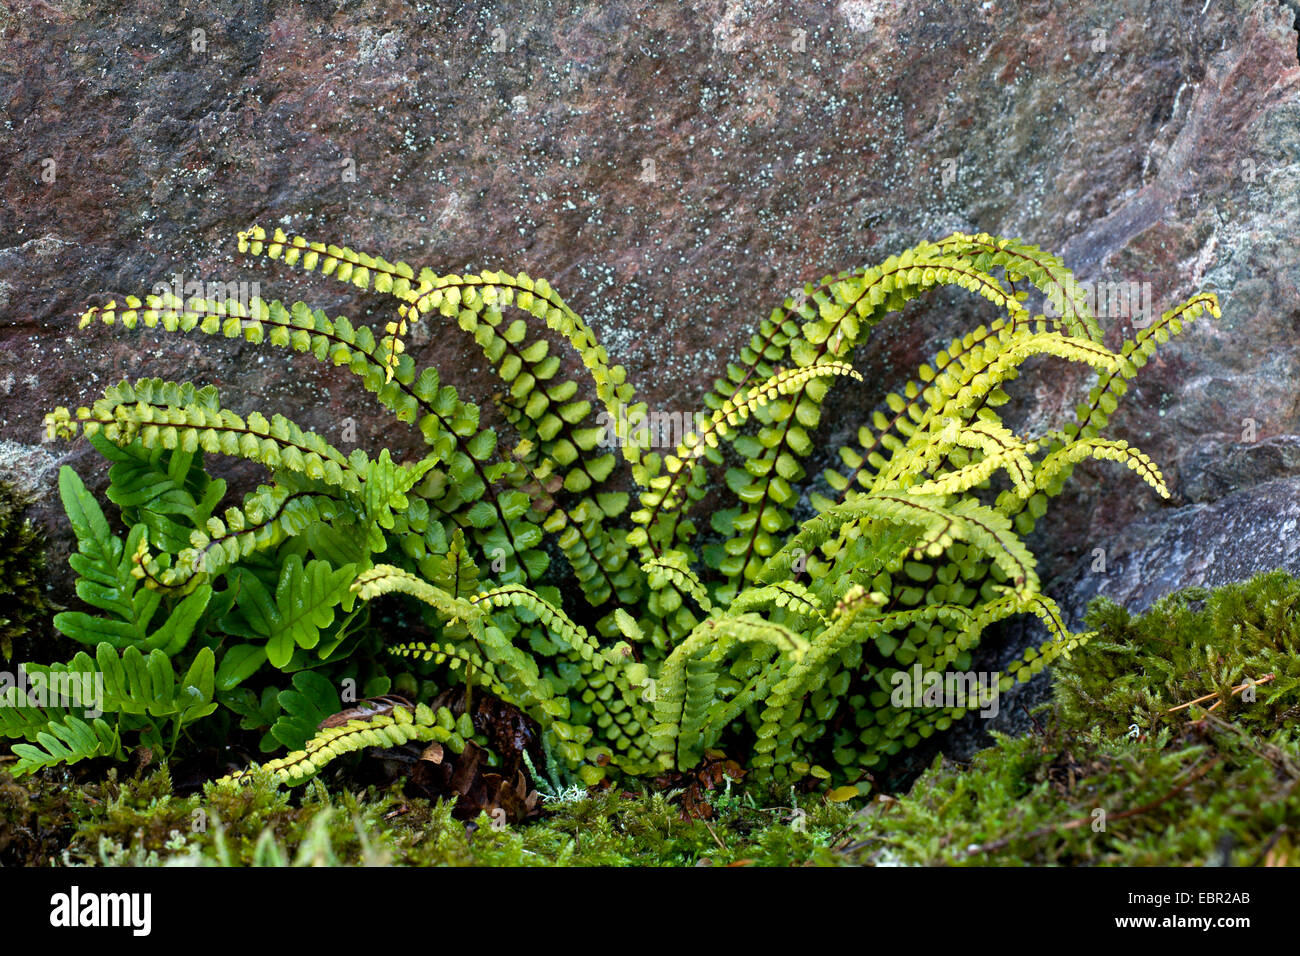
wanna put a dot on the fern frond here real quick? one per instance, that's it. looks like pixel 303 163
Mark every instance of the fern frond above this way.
pixel 685 676
pixel 1092 415
pixel 958 390
pixel 787 595
pixel 1102 400
pixel 108 581
pixel 304 603
pixel 150 411
pixel 385 579
pixel 513 672
pixel 465 298
pixel 849 304
pixel 450 426
pixel 673 567
pixel 907 404
pixel 941 523
pixel 65 741
pixel 598 555
pixel 1000 449
pixel 600 558
pixel 1048 471
pixel 136 684
pixel 392 729
pixel 168 491
pixel 456 295
pixel 547 414
pixel 842 320
pixel 557 623
pixel 461 658
pixel 129 683
pixel 268 516
pixel 1043 269
pixel 664 493
pixel 42 715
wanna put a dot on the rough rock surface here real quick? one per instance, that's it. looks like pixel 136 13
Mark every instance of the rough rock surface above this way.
pixel 1230 539
pixel 673 169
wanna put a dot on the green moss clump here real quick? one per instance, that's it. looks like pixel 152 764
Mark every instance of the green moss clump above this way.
pixel 140 822
pixel 1201 798
pixel 24 608
pixel 1120 776
pixel 1189 644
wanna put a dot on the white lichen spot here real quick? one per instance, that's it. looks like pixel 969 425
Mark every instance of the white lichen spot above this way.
pixel 861 15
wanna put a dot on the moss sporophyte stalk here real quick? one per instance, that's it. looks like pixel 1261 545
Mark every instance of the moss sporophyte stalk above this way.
pixel 659 634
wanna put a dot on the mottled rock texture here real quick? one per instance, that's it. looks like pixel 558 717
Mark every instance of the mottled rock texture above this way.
pixel 674 168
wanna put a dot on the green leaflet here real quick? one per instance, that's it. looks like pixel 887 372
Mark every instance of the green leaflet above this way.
pixel 108 581
pixel 303 603
pixel 305 704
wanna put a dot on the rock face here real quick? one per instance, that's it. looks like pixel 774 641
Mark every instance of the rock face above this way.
pixel 1230 539
pixel 674 169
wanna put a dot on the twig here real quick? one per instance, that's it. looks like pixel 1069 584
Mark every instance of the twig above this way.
pixel 1032 719
pixel 720 844
pixel 1236 690
pixel 1084 821
pixel 1269 844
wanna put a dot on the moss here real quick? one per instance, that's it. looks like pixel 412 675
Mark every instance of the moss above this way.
pixel 25 611
pixel 1201 798
pixel 140 822
pixel 1189 644
pixel 1185 785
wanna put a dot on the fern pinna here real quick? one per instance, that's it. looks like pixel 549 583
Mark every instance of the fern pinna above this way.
pixel 636 654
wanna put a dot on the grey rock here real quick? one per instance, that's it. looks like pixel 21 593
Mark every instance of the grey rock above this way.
pixel 1231 539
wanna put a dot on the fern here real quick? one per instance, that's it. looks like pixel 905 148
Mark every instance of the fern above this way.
pixel 640 650
pixel 108 580
pixel 400 725
pixel 142 691
pixel 60 740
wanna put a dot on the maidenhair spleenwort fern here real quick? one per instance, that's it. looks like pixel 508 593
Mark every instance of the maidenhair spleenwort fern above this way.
pixel 777 638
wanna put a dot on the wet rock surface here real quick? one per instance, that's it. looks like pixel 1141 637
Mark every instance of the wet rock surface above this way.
pixel 674 169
